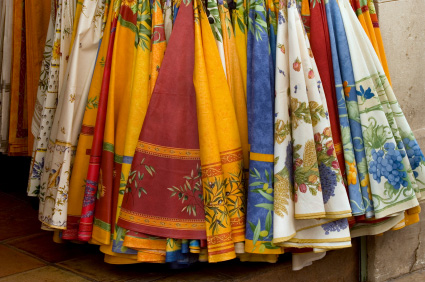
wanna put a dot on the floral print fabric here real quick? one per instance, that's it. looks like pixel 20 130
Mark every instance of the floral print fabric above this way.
pixel 71 102
pixel 350 126
pixel 395 177
pixel 308 182
pixel 237 131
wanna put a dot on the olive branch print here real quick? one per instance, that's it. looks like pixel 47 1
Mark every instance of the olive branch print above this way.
pixel 215 210
pixel 140 176
pixel 236 183
pixel 256 21
pixel 266 192
pixel 190 191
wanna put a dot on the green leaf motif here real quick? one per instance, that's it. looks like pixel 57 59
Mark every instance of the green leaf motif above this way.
pixel 266 206
pixel 389 189
pixel 267 196
pixel 268 221
pixel 257 232
pixel 362 166
pixel 353 110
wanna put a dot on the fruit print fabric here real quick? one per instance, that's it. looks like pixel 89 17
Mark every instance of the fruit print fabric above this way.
pixel 393 183
pixel 320 46
pixel 315 166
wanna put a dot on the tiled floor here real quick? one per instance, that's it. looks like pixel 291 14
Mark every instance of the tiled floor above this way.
pixel 29 254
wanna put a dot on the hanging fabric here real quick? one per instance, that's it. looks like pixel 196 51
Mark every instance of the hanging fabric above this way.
pixel 46 182
pixel 70 110
pixel 380 117
pixel 184 131
pixel 313 213
pixel 82 158
pixel 260 103
pixel 37 17
pixel 113 108
pixel 177 147
pixel 41 118
pixel 149 248
pixel 6 74
pixel 18 115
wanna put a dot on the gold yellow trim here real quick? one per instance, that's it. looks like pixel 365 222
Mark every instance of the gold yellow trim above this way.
pixel 315 225
pixel 338 216
pixel 142 243
pixel 52 226
pixel 310 215
pixel 318 247
pixel 221 257
pixel 162 222
pixel 333 240
pixel 150 257
pixel 249 246
pixel 339 212
pixel 261 157
pixel 168 152
pixel 280 240
pixel 101 235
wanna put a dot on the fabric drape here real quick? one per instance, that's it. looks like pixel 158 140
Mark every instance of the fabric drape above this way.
pixel 37 17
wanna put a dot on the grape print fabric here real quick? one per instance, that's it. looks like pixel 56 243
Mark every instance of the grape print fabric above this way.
pixel 396 180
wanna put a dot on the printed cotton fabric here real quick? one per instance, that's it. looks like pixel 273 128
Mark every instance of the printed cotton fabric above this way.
pixel 393 157
pixel 188 130
pixel 311 211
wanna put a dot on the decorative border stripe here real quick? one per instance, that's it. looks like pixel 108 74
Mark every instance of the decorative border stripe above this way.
pixel 261 157
pixel 168 152
pixel 108 147
pixel 87 130
pixel 231 156
pixel 237 221
pixel 162 222
pixel 219 239
pixel 101 224
pixel 211 171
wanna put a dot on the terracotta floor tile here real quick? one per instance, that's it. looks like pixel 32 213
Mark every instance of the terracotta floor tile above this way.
pixel 12 261
pixel 94 267
pixel 17 218
pixel 199 276
pixel 42 246
pixel 8 202
pixel 45 274
pixel 237 269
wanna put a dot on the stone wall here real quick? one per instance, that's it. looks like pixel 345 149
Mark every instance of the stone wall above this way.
pixel 402 22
